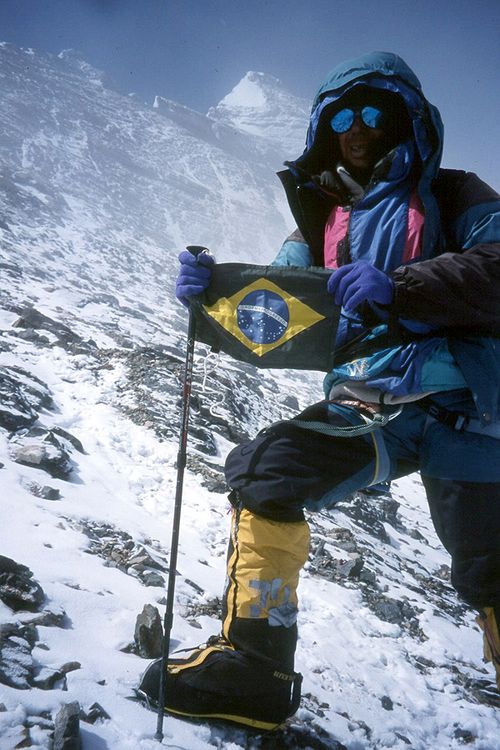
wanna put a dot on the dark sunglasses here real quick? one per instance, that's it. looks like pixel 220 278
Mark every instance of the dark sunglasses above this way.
pixel 372 117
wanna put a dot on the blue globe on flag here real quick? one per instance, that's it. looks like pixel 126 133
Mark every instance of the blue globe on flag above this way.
pixel 263 316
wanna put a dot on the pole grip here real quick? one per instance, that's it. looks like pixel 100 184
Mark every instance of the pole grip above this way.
pixel 197 250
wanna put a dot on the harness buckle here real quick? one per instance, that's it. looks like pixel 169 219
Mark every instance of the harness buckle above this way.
pixel 461 422
pixel 452 419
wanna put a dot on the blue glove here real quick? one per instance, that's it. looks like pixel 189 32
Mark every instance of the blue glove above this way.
pixel 194 275
pixel 359 282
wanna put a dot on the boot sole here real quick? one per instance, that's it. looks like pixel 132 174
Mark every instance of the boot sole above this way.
pixel 234 719
pixel 152 705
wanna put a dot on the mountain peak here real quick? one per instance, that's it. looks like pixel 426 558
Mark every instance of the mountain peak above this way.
pixel 253 91
pixel 260 105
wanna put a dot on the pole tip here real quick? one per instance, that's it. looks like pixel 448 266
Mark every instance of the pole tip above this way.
pixel 159 736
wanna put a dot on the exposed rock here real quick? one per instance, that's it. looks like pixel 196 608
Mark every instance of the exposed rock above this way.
pixel 17 667
pixel 23 738
pixel 403 738
pixel 482 691
pixel 210 608
pixel 65 436
pixel 46 678
pixel 152 579
pixel 49 618
pixel 226 401
pixel 400 613
pixel 29 334
pixel 437 588
pixel 371 512
pixel 148 635
pixel 94 713
pixel 368 576
pixel 343 539
pixel 43 491
pixel 16 662
pixel 291 402
pixel 298 734
pixel 326 565
pixel 444 573
pixel 464 736
pixel 389 610
pixel 17 588
pixel 387 703
pixel 128 648
pixel 211 477
pixel 70 666
pixel 120 551
pixel 195 586
pixel 67 727
pixel 35 320
pixel 50 493
pixel 416 534
pixel 142 560
pixel 22 396
pixel 42 449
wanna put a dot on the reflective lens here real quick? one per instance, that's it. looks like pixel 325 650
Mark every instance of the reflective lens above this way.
pixel 372 117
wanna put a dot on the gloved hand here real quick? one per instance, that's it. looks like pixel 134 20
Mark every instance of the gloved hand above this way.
pixel 194 275
pixel 359 282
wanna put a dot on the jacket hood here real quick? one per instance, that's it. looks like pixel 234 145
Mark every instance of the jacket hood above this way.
pixel 379 63
pixel 388 72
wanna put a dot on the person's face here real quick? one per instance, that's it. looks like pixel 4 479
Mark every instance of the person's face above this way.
pixel 361 146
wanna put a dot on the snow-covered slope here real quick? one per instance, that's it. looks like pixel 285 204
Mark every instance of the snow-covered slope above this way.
pixel 98 194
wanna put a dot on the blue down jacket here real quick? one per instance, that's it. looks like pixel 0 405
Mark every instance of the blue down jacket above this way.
pixel 448 296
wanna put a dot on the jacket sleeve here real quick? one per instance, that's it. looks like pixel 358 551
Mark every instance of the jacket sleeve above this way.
pixel 458 289
pixel 294 252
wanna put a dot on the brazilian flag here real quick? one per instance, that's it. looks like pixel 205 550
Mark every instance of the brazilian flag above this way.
pixel 269 316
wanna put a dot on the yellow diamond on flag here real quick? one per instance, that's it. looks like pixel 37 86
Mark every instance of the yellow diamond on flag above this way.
pixel 262 316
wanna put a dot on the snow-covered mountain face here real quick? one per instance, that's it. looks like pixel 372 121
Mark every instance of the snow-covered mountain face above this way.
pixel 98 194
pixel 114 190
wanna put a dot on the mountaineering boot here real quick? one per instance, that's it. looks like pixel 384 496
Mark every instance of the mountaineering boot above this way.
pixel 246 674
pixel 489 622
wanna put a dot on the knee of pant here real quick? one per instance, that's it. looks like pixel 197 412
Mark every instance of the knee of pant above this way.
pixel 274 544
pixel 282 510
pixel 256 472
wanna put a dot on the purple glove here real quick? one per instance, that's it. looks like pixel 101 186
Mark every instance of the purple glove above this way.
pixel 360 282
pixel 194 275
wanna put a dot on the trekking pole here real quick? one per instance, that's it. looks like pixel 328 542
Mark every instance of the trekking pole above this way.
pixel 174 545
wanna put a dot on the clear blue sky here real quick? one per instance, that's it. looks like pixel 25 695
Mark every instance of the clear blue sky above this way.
pixel 195 51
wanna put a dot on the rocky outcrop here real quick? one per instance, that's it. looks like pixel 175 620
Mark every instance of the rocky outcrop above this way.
pixel 16 663
pixel 148 634
pixel 22 397
pixel 18 589
pixel 67 727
